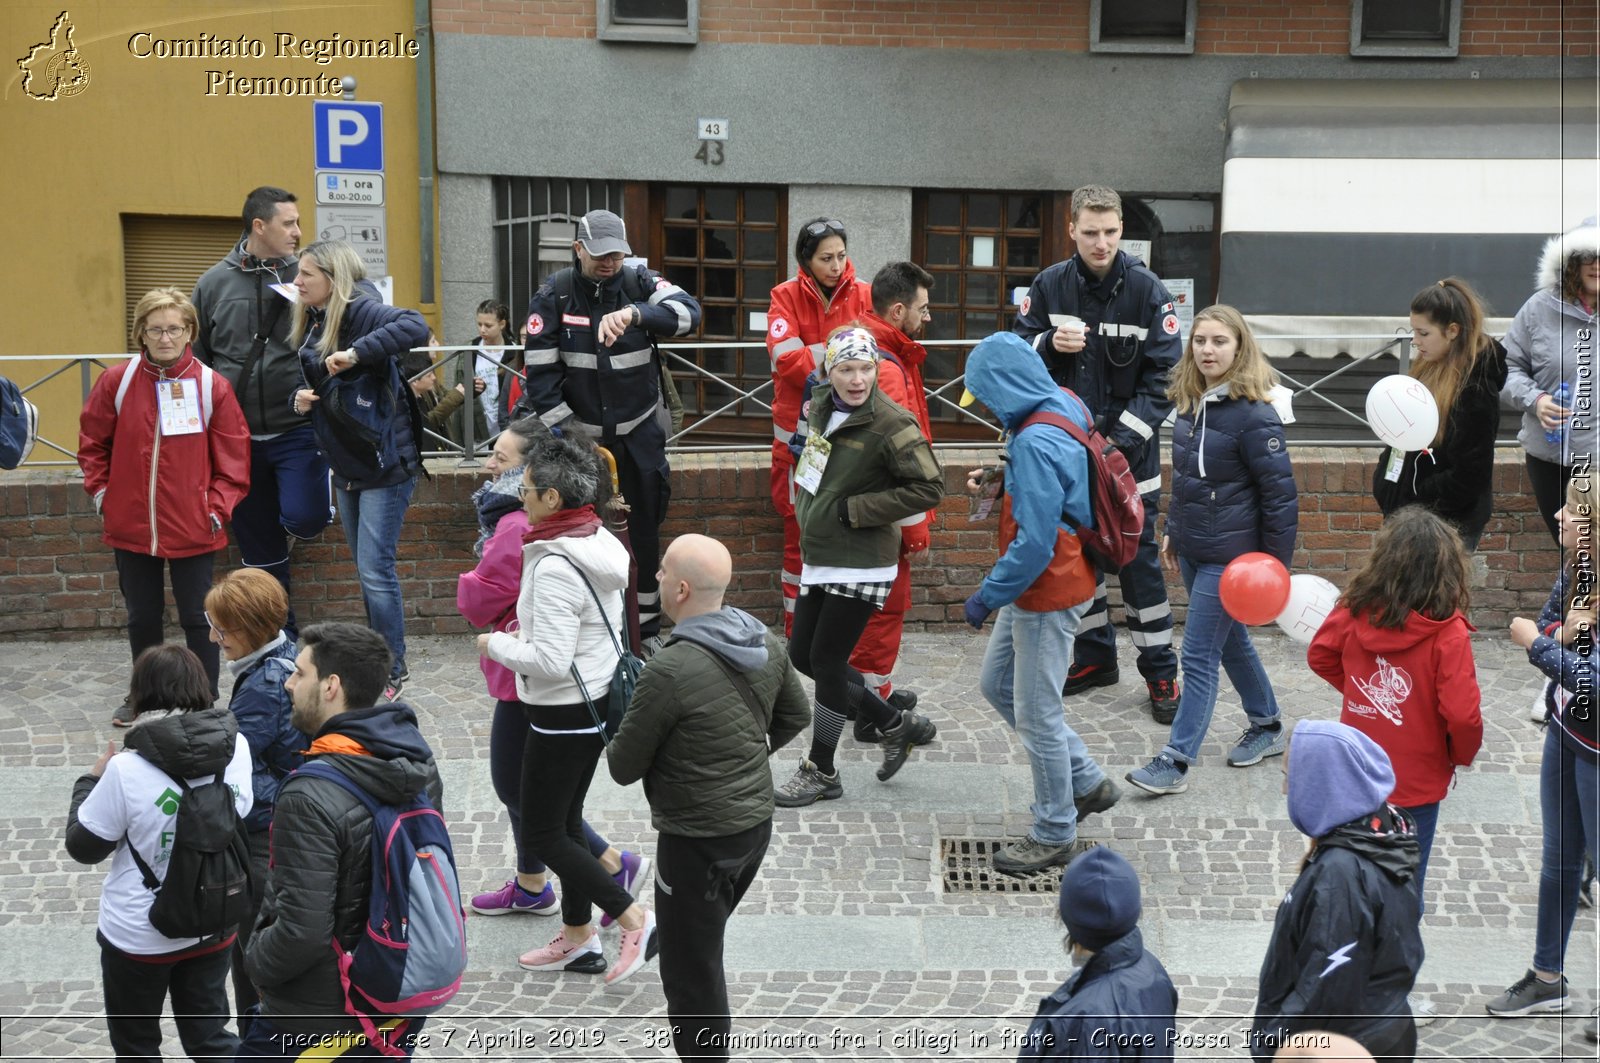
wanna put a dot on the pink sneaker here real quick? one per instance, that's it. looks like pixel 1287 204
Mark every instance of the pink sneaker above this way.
pixel 585 957
pixel 638 948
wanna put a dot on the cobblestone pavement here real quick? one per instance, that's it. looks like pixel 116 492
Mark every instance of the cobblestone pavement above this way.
pixel 849 945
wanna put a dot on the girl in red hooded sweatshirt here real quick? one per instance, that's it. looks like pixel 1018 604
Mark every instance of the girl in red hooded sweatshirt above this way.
pixel 1399 647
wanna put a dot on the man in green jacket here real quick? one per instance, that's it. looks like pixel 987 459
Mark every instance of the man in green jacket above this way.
pixel 712 705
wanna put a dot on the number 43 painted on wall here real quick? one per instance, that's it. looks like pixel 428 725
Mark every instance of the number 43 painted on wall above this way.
pixel 712 133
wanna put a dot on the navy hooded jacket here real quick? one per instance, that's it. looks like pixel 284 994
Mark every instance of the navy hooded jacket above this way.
pixel 1120 1005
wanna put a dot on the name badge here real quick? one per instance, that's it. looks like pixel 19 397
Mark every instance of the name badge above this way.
pixel 180 407
pixel 813 459
pixel 1397 462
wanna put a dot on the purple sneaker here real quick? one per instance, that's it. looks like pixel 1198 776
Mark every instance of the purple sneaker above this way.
pixel 635 870
pixel 512 898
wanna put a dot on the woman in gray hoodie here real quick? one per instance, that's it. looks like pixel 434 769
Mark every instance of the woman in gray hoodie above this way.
pixel 1550 363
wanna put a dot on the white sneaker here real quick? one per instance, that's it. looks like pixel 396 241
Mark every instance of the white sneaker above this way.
pixel 1423 1011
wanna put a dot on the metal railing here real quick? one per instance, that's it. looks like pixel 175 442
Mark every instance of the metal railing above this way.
pixel 679 357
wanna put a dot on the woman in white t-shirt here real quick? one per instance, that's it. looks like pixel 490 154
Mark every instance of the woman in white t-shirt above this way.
pixel 129 801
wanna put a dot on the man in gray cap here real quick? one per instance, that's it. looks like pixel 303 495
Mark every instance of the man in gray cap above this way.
pixel 592 364
pixel 1120 1003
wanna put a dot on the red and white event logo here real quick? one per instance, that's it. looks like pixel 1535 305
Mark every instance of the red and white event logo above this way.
pixel 780 328
pixel 1169 324
pixel 662 284
pixel 535 324
pixel 1027 301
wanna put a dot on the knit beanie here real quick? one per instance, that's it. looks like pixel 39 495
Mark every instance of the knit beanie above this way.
pixel 1099 898
pixel 1336 774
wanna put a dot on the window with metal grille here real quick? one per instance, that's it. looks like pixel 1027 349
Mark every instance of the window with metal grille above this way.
pixel 1142 26
pixel 648 21
pixel 160 251
pixel 535 222
pixel 1405 27
pixel 724 245
pixel 979 246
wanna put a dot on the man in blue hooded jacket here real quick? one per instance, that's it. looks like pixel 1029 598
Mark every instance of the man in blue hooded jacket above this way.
pixel 1042 586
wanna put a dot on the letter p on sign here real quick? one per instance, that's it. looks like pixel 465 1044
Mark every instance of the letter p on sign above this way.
pixel 349 136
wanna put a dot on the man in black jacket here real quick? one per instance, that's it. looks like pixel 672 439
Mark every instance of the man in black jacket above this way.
pixel 591 361
pixel 320 881
pixel 1106 327
pixel 244 305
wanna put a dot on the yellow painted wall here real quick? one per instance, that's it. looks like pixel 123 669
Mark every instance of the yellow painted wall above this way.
pixel 142 136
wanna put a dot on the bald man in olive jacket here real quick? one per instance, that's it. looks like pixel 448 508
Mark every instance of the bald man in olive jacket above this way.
pixel 712 705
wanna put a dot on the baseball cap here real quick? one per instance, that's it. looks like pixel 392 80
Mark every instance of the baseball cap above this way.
pixel 602 233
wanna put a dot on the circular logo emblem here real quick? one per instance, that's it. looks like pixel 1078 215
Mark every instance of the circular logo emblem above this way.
pixel 1274 443
pixel 1027 301
pixel 1169 324
pixel 662 282
pixel 780 328
pixel 535 324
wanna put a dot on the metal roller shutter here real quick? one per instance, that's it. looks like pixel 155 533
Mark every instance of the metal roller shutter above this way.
pixel 163 251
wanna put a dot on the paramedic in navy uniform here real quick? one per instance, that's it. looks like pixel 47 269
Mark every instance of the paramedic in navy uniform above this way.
pixel 1117 361
pixel 590 358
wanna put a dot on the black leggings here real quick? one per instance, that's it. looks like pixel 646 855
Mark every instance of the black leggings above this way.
pixel 1549 490
pixel 507 745
pixel 826 630
pixel 556 772
pixel 139 577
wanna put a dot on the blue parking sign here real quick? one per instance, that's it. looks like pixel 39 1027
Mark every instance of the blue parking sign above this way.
pixel 349 136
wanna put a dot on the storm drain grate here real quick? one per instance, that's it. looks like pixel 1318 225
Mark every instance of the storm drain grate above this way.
pixel 969 868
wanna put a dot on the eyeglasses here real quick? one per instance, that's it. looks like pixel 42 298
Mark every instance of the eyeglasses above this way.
pixel 1584 258
pixel 214 626
pixel 817 228
pixel 523 490
pixel 171 332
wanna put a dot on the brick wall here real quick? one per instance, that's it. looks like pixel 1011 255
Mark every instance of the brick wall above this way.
pixel 57 579
pixel 1488 27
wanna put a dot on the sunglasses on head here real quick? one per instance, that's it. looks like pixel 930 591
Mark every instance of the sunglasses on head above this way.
pixel 818 228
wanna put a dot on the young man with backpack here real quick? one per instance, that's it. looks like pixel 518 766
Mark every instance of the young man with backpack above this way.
pixel 320 889
pixel 1042 586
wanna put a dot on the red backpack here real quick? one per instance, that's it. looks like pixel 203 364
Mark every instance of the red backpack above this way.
pixel 1113 493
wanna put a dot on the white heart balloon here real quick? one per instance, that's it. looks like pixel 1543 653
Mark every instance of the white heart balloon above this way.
pixel 1402 413
pixel 1311 599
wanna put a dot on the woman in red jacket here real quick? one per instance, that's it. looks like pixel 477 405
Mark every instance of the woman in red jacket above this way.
pixel 165 454
pixel 823 295
pixel 1400 650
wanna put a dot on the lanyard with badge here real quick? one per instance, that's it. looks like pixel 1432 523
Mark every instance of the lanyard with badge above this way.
pixel 813 459
pixel 179 401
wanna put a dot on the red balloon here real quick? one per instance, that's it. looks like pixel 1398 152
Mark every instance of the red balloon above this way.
pixel 1254 588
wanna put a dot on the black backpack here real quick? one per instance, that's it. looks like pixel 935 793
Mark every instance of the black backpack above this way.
pixel 207 888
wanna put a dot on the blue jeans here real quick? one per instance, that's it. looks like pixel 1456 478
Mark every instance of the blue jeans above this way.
pixel 1426 820
pixel 372 520
pixel 1210 637
pixel 1569 793
pixel 288 496
pixel 1023 670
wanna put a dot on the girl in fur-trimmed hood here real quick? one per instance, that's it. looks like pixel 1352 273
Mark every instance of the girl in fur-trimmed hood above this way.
pixel 1552 342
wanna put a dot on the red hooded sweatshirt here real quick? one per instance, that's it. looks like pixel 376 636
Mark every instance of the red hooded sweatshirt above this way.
pixel 1412 689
